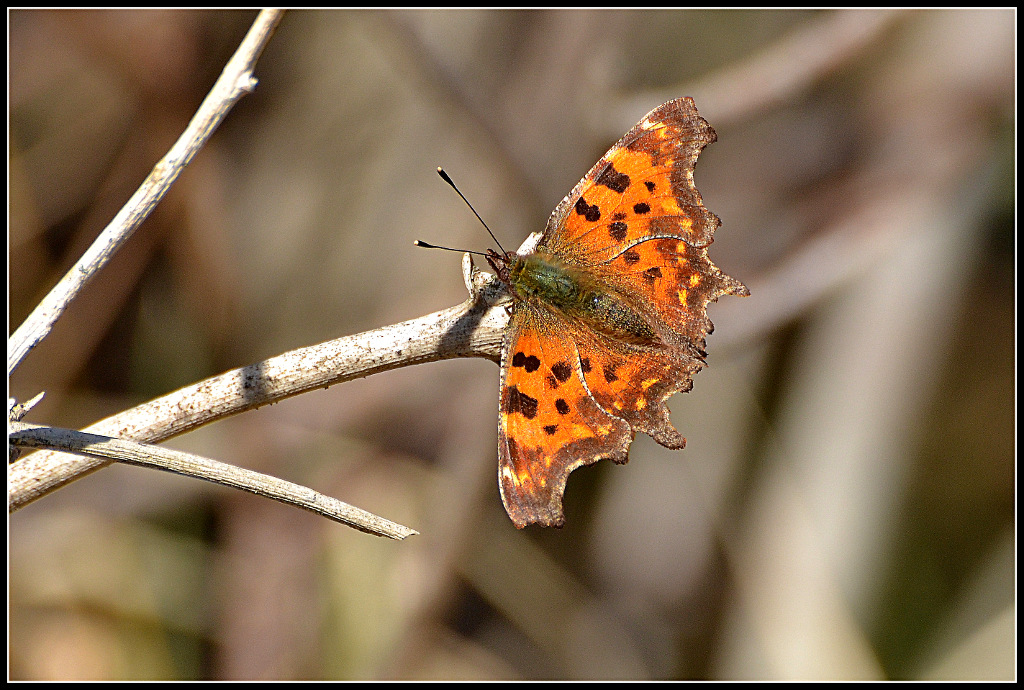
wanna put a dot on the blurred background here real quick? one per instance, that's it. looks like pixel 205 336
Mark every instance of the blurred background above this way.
pixel 845 505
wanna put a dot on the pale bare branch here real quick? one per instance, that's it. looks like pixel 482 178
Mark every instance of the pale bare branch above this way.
pixel 189 465
pixel 451 333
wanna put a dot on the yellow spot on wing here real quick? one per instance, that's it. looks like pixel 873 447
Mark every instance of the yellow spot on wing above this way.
pixel 581 432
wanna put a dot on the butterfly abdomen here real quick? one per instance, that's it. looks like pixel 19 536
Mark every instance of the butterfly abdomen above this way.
pixel 541 279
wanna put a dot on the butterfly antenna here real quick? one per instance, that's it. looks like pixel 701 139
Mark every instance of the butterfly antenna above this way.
pixel 444 176
pixel 427 245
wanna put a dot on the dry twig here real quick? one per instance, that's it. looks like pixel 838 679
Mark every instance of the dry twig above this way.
pixel 155 457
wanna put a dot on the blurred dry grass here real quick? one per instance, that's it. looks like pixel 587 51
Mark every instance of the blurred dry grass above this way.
pixel 845 507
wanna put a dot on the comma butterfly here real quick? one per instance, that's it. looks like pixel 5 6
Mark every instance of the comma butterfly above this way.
pixel 608 317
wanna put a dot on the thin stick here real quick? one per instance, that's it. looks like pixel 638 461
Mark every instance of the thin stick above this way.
pixel 235 81
pixel 144 455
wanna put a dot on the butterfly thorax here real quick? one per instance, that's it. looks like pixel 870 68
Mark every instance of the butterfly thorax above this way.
pixel 543 280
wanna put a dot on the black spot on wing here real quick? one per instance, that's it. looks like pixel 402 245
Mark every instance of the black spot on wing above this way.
pixel 613 180
pixel 591 213
pixel 562 371
pixel 652 274
pixel 520 403
pixel 530 364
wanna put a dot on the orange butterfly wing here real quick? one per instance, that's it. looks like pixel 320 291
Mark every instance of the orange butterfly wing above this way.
pixel 571 395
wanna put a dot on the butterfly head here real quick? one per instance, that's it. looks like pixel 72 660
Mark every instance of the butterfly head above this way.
pixel 507 267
